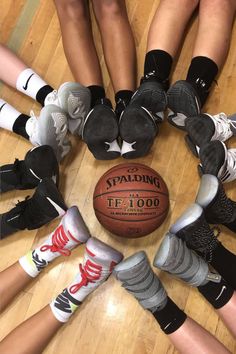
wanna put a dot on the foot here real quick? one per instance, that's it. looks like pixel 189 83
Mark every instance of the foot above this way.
pixel 205 128
pixel 138 278
pixel 193 229
pixel 183 102
pixel 99 261
pixel 218 208
pixel 174 257
pixel 218 161
pixel 45 205
pixel 75 100
pixel 70 233
pixel 39 162
pixel 50 128
pixel 100 131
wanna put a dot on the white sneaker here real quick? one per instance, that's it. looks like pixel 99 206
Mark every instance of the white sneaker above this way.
pixel 50 128
pixel 71 232
pixel 99 261
pixel 75 100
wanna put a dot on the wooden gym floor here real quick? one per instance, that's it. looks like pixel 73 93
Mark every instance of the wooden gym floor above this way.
pixel 110 320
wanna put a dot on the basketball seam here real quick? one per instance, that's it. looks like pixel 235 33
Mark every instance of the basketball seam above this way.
pixel 132 190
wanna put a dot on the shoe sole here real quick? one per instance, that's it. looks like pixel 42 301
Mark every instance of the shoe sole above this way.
pixel 137 126
pixel 191 106
pixel 101 129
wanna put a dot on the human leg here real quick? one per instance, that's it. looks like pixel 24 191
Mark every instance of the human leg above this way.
pixel 33 335
pixel 149 101
pixel 71 232
pixel 138 278
pixel 176 258
pixel 210 50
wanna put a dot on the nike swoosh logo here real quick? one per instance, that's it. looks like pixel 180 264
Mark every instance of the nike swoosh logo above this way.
pixel 27 82
pixel 57 207
pixel 4 104
pixel 221 292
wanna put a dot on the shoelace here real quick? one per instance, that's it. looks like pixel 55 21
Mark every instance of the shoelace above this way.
pixel 59 241
pixel 86 276
pixel 222 126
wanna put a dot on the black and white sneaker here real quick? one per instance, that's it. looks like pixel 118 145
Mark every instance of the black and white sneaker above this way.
pixel 218 208
pixel 100 131
pixel 183 102
pixel 45 205
pixel 205 128
pixel 39 162
pixel 193 228
pixel 218 161
pixel 139 121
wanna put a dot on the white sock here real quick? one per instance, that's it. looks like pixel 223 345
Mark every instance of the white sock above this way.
pixel 8 115
pixel 29 82
pixel 64 305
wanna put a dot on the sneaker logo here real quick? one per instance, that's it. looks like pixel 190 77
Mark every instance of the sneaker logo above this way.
pixel 40 263
pixel 4 104
pixel 64 300
pixel 221 292
pixel 59 210
pixel 27 82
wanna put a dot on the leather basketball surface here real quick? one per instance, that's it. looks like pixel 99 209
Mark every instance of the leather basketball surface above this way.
pixel 131 200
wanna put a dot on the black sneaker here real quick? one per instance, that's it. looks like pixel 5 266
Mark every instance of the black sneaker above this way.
pixel 45 205
pixel 39 162
pixel 218 161
pixel 183 102
pixel 139 121
pixel 204 128
pixel 218 208
pixel 193 228
pixel 100 131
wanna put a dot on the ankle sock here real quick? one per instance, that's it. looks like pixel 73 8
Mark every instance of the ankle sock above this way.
pixel 158 62
pixel 31 84
pixel 97 93
pixel 170 317
pixel 201 74
pixel 217 294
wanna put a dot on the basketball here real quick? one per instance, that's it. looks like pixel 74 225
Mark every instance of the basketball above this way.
pixel 131 200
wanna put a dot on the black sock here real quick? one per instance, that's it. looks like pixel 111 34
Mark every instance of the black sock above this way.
pixel 158 62
pixel 218 294
pixel 170 318
pixel 201 74
pixel 225 263
pixel 42 94
pixel 97 93
pixel 122 99
pixel 19 125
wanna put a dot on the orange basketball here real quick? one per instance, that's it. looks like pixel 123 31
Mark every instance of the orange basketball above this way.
pixel 131 200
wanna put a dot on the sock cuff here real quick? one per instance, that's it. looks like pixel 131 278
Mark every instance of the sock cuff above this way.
pixel 42 94
pixel 97 92
pixel 159 61
pixel 217 294
pixel 124 95
pixel 170 318
pixel 24 263
pixel 19 126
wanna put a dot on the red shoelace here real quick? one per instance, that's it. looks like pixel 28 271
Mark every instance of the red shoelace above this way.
pixel 86 275
pixel 59 241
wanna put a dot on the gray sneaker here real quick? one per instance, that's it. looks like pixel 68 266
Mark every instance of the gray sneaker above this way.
pixel 50 128
pixel 75 100
pixel 138 278
pixel 175 258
